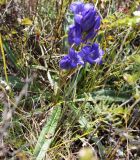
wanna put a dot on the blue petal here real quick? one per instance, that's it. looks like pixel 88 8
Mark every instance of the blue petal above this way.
pixel 90 60
pixel 73 64
pixel 78 18
pixel 84 52
pixel 70 34
pixel 75 58
pixel 101 52
pixel 88 6
pixel 72 53
pixel 86 49
pixel 65 62
pixel 88 20
pixel 97 22
pixel 74 34
pixel 77 41
pixel 71 60
pixel 93 31
pixel 92 54
pixel 77 7
pixel 90 35
pixel 97 53
pixel 95 46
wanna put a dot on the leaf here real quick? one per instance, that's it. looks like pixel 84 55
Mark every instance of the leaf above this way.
pixel 100 147
pixel 39 67
pixel 47 134
pixel 104 95
pixel 44 149
pixel 3 58
pixel 10 54
pixel 131 79
pixel 119 110
pixel 136 58
pixel 16 82
pixel 83 121
pixel 109 95
pixel 26 21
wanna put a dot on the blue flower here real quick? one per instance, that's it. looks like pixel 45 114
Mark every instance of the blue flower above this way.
pixel 77 7
pixel 86 23
pixel 92 54
pixel 74 34
pixel 86 18
pixel 72 60
pixel 93 31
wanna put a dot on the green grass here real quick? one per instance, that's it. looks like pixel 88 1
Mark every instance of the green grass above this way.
pixel 55 113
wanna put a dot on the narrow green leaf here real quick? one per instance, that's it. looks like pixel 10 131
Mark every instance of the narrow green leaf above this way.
pixel 109 95
pixel 44 149
pixel 47 134
pixel 10 54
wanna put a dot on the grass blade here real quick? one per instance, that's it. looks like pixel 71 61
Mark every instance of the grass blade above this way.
pixel 48 131
pixel 4 59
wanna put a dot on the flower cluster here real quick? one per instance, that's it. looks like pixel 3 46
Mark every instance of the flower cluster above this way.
pixel 86 25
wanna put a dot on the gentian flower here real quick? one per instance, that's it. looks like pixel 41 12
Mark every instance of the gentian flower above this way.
pixel 86 23
pixel 86 17
pixel 71 60
pixel 74 34
pixel 77 7
pixel 93 31
pixel 92 54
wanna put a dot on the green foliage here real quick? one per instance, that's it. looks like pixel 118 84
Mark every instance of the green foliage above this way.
pixel 47 134
pixel 62 111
